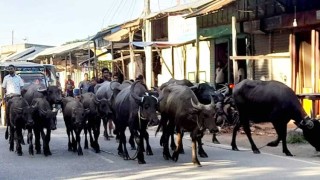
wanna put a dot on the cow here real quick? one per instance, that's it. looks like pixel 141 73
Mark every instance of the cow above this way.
pixel 310 131
pixel 19 117
pixel 74 116
pixel 181 110
pixel 97 109
pixel 52 93
pixel 267 101
pixel 44 118
pixel 135 107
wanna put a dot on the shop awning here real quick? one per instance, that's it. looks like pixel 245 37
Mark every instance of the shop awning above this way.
pixel 24 55
pixel 179 9
pixel 210 8
pixel 160 44
pixel 64 48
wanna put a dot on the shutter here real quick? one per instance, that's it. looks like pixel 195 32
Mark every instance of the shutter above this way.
pixel 261 67
pixel 280 42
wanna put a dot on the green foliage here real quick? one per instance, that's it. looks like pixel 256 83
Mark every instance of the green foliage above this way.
pixel 295 137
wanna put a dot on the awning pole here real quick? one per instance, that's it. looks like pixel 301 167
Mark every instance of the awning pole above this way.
pixel 234 48
pixel 123 68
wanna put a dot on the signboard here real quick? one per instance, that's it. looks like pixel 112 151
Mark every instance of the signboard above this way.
pixel 181 29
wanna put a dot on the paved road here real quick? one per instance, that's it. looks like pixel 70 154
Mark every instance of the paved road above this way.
pixel 221 164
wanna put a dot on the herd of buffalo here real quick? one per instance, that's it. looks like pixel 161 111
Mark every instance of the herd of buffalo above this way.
pixel 182 106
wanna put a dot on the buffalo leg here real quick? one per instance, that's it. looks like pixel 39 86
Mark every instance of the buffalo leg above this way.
pixel 37 140
pixel 96 132
pixel 246 128
pixel 11 139
pixel 214 139
pixel 69 140
pixel 194 137
pixel 175 155
pixel 131 141
pixel 181 150
pixel 281 130
pixel 18 137
pixel 105 125
pixel 201 151
pixel 234 136
pixel 172 143
pixel 85 129
pixel 148 147
pixel 166 132
pixel 73 141
pixel 30 137
pixel 139 140
pixel 78 139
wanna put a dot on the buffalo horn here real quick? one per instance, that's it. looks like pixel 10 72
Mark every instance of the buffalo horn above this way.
pixel 134 95
pixel 309 124
pixel 43 111
pixel 211 105
pixel 41 90
pixel 160 97
pixel 197 106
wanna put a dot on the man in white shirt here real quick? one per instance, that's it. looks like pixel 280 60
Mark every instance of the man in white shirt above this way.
pixel 12 83
pixel 219 74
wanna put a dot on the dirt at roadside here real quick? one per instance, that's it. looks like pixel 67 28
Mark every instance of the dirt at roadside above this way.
pixel 262 134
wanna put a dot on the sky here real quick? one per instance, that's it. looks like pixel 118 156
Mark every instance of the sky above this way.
pixel 55 22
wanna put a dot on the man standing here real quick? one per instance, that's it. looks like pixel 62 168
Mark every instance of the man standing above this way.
pixel 12 85
pixel 69 86
pixel 84 85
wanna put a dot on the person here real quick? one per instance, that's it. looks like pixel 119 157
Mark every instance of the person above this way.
pixel 92 84
pixel 84 85
pixel 105 75
pixel 140 78
pixel 69 86
pixel 12 85
pixel 115 77
pixel 58 82
pixel 219 75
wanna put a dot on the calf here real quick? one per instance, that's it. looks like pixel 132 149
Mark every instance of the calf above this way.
pixel 74 116
pixel 44 118
pixel 97 109
pixel 19 118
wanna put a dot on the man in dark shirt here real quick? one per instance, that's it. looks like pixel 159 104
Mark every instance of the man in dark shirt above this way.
pixel 92 84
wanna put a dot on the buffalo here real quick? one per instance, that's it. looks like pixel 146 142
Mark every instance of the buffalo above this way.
pixel 44 118
pixel 97 109
pixel 19 117
pixel 53 94
pixel 180 110
pixel 74 116
pixel 268 101
pixel 135 107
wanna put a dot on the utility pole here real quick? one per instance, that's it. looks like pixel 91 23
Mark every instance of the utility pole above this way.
pixel 146 35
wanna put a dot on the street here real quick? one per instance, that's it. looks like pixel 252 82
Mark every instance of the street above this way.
pixel 221 164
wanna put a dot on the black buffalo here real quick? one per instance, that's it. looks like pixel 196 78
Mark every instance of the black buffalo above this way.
pixel 204 92
pixel 267 101
pixel 52 93
pixel 97 109
pixel 74 116
pixel 181 110
pixel 44 118
pixel 135 107
pixel 19 117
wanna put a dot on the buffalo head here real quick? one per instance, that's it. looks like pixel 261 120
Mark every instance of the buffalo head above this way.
pixel 103 106
pixel 54 94
pixel 311 131
pixel 205 115
pixel 148 103
pixel 50 115
pixel 79 116
pixel 25 114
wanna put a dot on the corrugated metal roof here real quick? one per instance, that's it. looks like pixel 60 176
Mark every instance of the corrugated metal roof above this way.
pixel 210 7
pixel 182 9
pixel 63 49
pixel 24 55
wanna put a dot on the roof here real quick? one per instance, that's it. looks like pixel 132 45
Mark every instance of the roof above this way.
pixel 210 7
pixel 19 63
pixel 160 44
pixel 24 55
pixel 64 48
pixel 179 9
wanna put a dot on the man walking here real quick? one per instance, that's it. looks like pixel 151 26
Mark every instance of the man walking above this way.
pixel 69 86
pixel 84 85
